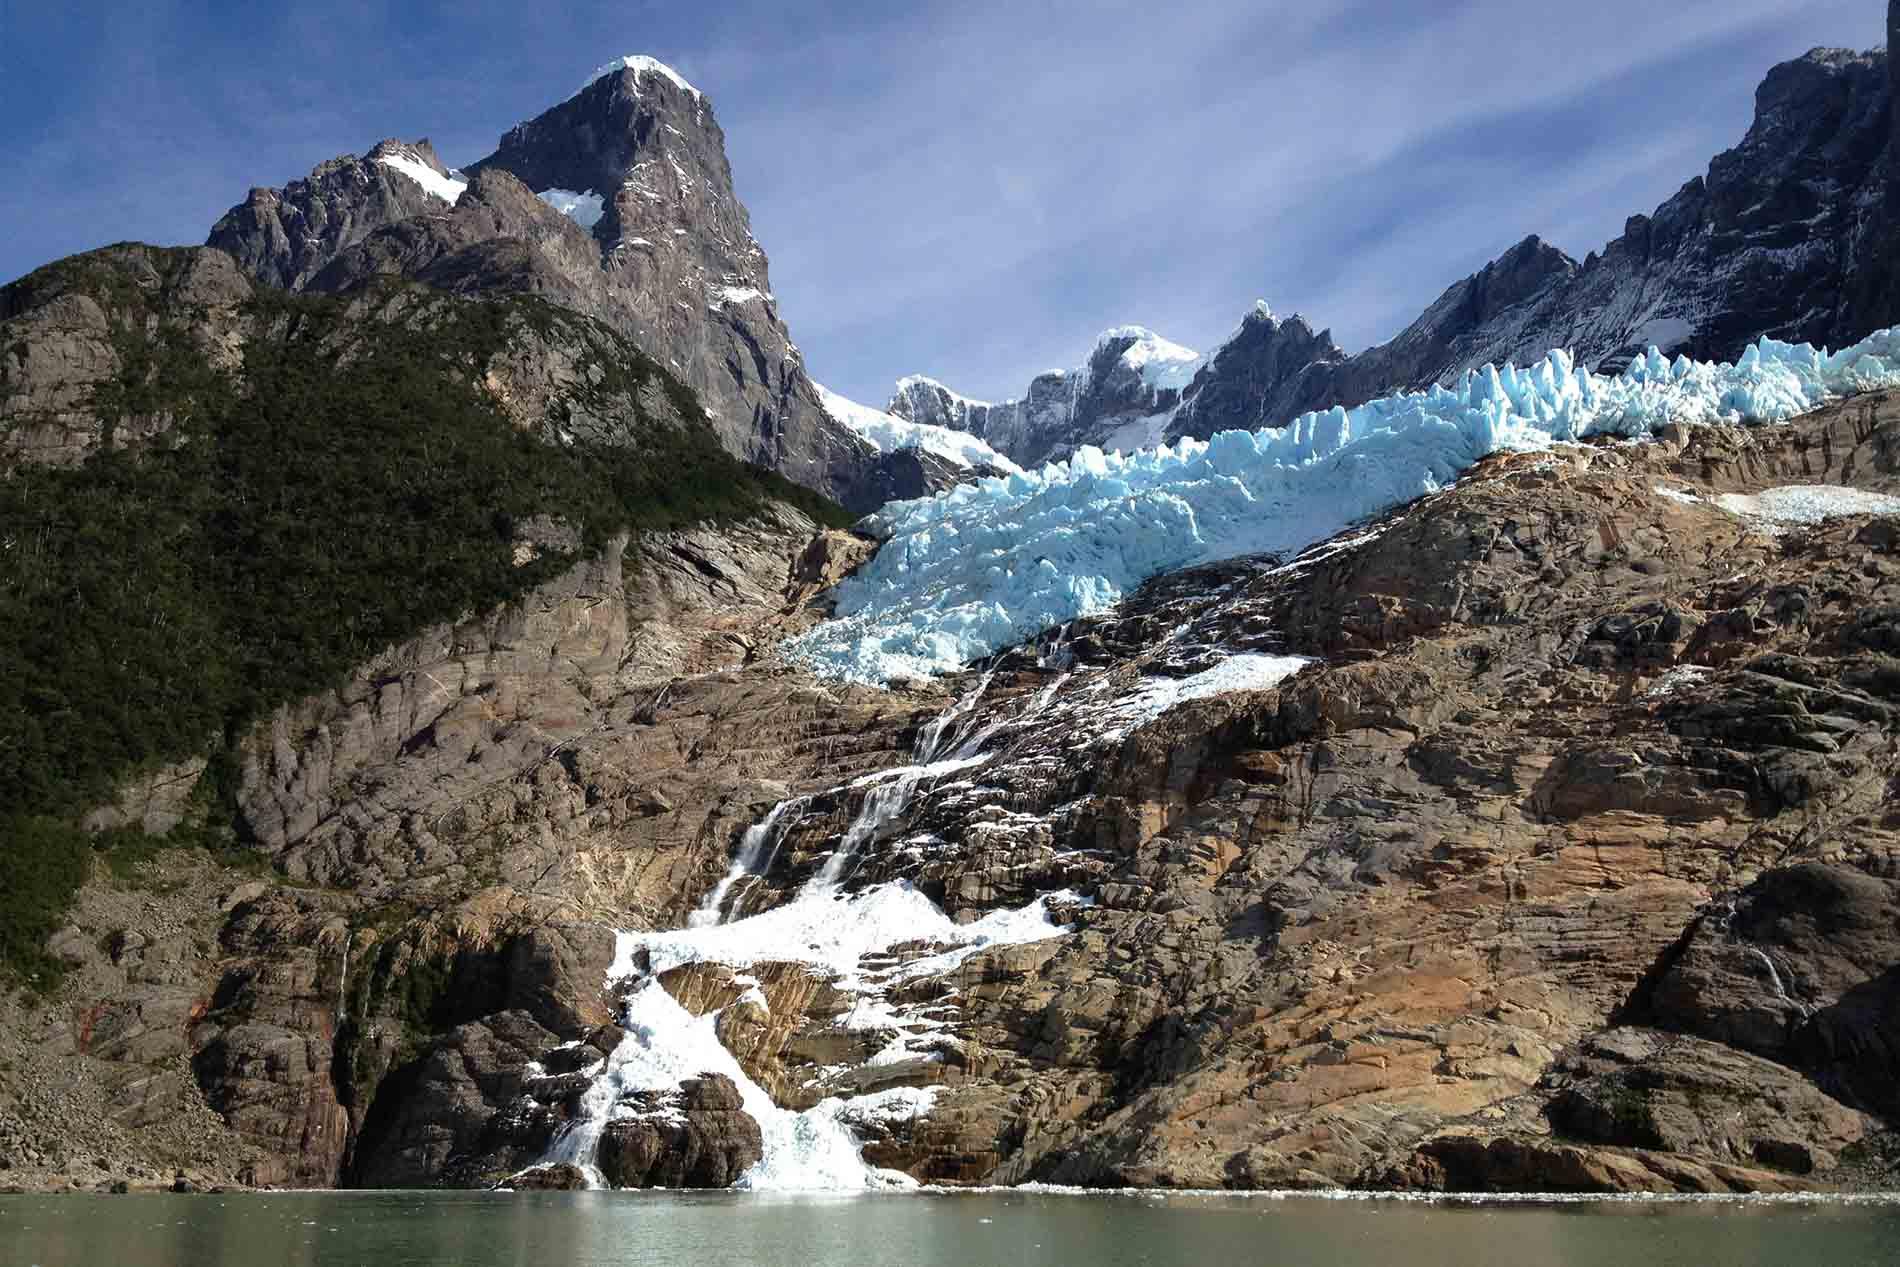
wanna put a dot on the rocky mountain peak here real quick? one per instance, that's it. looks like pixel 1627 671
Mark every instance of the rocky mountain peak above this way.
pixel 663 252
pixel 284 237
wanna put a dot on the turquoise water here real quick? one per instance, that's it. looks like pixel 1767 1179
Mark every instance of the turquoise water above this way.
pixel 408 1229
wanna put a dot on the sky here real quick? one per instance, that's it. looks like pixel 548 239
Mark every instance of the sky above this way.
pixel 970 190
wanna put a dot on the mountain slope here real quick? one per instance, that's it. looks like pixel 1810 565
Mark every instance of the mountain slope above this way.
pixel 635 223
pixel 220 497
pixel 1785 236
pixel 1119 398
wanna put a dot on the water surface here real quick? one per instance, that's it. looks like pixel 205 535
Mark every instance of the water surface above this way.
pixel 593 1229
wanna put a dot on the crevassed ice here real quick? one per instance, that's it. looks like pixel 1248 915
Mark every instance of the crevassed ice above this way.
pixel 986 565
pixel 584 208
pixel 888 432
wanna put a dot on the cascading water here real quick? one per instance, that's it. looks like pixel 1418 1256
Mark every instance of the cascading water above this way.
pixel 758 848
pixel 891 791
pixel 848 938
pixel 930 737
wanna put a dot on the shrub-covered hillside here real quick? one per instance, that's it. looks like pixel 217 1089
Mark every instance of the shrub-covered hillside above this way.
pixel 242 535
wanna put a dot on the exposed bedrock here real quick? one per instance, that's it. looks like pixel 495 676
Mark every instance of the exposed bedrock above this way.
pixel 1569 863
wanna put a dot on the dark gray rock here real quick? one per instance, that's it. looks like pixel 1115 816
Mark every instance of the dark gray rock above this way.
pixel 670 265
pixel 1803 967
pixel 284 237
pixel 1638 1088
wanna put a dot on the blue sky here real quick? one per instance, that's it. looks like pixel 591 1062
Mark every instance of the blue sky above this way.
pixel 971 189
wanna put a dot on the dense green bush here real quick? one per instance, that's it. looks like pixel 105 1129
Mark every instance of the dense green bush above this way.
pixel 350 486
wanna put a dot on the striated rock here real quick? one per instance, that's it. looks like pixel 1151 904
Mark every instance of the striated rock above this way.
pixel 1644 1089
pixel 1472 1163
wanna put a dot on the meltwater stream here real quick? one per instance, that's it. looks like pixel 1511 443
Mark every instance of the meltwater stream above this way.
pixel 846 937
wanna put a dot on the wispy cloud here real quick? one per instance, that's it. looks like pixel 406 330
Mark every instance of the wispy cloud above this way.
pixel 966 189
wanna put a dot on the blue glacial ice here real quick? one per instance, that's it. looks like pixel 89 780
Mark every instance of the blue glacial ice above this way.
pixel 988 564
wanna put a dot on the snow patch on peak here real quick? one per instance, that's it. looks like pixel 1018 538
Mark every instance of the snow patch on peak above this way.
pixel 888 432
pixel 1162 363
pixel 583 208
pixel 924 381
pixel 410 164
pixel 723 295
pixel 641 66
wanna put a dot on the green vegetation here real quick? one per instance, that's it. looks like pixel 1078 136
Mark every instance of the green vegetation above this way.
pixel 348 487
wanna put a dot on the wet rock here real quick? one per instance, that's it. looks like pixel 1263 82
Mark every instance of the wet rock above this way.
pixel 697 1137
pixel 560 1177
pixel 1646 1089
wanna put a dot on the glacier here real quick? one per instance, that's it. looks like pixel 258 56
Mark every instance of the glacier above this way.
pixel 989 564
pixel 583 207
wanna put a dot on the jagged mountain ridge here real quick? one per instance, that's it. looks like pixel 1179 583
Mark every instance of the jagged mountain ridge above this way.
pixel 1791 234
pixel 1120 397
pixel 668 259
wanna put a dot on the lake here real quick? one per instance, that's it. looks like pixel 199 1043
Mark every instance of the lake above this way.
pixel 1020 1229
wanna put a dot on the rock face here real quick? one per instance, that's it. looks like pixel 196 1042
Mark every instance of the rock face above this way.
pixel 697 1137
pixel 66 352
pixel 284 237
pixel 1119 398
pixel 670 263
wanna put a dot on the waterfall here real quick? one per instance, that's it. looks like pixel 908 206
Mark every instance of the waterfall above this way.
pixel 849 939
pixel 882 804
pixel 758 848
pixel 930 739
pixel 343 978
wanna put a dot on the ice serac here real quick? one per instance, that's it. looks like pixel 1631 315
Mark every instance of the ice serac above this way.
pixel 985 566
pixel 1120 399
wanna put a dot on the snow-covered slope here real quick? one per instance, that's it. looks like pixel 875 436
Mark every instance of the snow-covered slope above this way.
pixel 889 433
pixel 1120 398
pixel 641 65
pixel 449 188
pixel 986 565
pixel 583 207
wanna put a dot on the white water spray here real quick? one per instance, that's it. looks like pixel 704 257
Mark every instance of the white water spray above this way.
pixel 758 849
